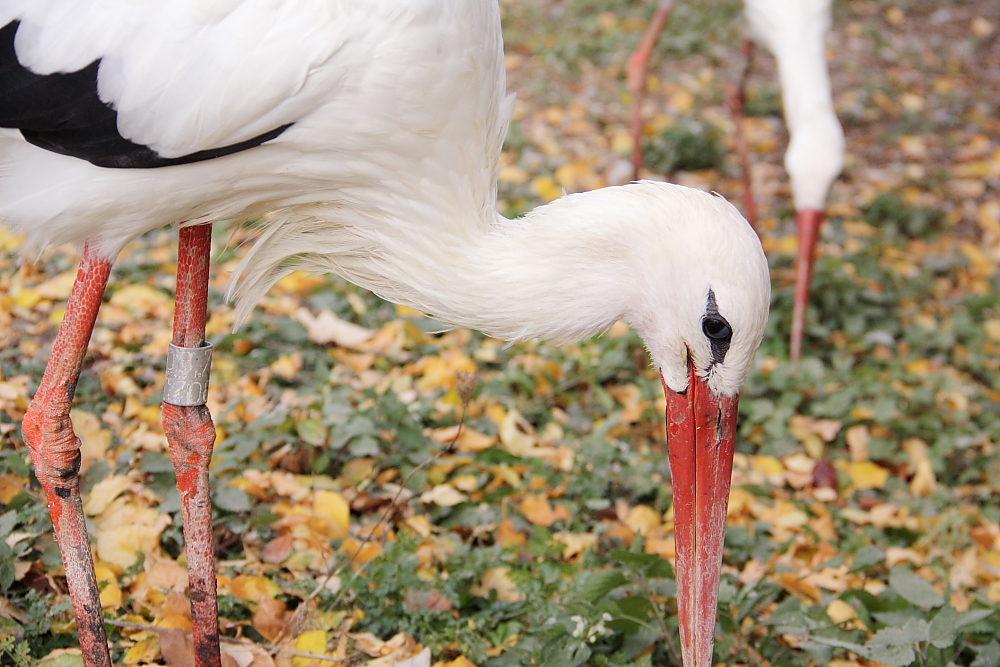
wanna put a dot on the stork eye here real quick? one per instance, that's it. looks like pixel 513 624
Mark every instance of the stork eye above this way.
pixel 716 328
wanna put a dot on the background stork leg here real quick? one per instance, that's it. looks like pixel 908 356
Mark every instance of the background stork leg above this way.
pixel 191 435
pixel 736 97
pixel 635 70
pixel 55 450
pixel 809 221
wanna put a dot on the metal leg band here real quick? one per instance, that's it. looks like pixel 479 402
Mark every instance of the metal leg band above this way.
pixel 188 370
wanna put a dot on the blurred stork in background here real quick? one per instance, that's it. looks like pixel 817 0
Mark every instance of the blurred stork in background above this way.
pixel 795 32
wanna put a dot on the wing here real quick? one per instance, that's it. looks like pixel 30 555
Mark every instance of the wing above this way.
pixel 148 83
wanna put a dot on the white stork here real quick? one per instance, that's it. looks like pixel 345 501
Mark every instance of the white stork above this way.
pixel 795 32
pixel 363 136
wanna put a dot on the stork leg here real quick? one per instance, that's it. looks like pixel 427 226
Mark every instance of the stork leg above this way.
pixel 809 221
pixel 55 451
pixel 191 435
pixel 638 64
pixel 736 97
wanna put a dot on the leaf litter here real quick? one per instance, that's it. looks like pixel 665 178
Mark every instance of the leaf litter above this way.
pixel 375 505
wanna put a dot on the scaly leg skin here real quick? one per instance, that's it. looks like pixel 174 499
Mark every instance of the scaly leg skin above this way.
pixel 635 71
pixel 191 435
pixel 55 450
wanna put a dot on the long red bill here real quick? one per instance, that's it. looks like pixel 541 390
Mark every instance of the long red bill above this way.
pixel 809 221
pixel 701 437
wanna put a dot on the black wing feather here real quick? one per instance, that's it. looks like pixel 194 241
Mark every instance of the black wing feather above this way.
pixel 63 113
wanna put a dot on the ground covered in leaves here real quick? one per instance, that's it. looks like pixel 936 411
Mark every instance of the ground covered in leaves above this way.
pixel 389 496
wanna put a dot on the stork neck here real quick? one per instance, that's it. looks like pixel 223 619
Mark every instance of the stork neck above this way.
pixel 552 274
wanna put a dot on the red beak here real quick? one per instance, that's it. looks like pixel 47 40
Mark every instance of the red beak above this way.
pixel 809 222
pixel 701 438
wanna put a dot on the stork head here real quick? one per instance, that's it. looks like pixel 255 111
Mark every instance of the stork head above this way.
pixel 701 302
pixel 702 288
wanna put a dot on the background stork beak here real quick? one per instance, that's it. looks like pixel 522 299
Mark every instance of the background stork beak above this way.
pixel 809 221
pixel 701 436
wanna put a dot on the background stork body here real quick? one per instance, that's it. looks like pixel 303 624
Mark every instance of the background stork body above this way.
pixel 364 136
pixel 795 32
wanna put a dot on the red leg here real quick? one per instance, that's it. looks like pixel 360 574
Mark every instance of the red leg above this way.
pixel 191 435
pixel 809 221
pixel 736 96
pixel 55 450
pixel 635 70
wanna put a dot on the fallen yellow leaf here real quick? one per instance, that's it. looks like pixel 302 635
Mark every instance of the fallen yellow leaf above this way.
pixel 643 519
pixel 576 543
pixel 360 553
pixel 331 507
pixel 546 188
pixel 104 492
pixel 144 651
pixel 107 582
pixel 867 475
pixel 143 301
pixel 58 287
pixel 253 588
pixel 498 579
pixel 444 495
pixel 839 611
pixel 313 641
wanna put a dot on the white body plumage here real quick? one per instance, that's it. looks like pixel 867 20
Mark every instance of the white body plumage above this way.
pixel 387 175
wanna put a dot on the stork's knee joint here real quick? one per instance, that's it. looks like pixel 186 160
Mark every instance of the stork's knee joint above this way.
pixel 188 370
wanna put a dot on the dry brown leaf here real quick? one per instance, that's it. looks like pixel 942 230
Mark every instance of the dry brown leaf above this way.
pixel 538 510
pixel 162 572
pixel 278 549
pixel 270 618
pixel 176 604
pixel 858 438
pixel 177 648
pixel 508 536
pixel 799 587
